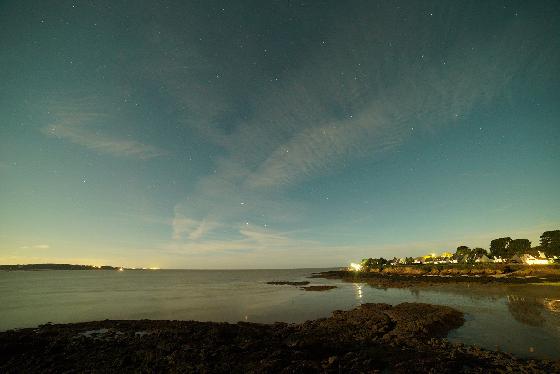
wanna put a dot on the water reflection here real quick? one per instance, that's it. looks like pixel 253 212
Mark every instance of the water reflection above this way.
pixel 552 305
pixel 526 310
pixel 529 305
pixel 359 291
pixel 530 312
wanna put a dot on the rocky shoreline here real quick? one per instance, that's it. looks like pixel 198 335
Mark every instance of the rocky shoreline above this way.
pixel 403 278
pixel 371 338
pixel 304 285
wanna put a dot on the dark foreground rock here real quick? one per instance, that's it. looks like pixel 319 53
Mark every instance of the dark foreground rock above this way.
pixel 372 338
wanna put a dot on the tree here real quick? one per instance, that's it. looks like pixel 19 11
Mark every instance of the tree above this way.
pixel 499 248
pixel 462 253
pixel 409 260
pixel 463 250
pixel 466 254
pixel 550 242
pixel 479 252
pixel 370 263
pixel 519 246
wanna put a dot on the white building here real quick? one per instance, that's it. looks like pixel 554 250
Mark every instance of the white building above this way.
pixel 532 260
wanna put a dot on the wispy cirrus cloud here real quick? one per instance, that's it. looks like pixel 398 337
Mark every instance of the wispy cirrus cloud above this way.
pixel 188 228
pixel 81 123
pixel 246 238
pixel 426 95
pixel 36 246
pixel 331 112
pixel 374 89
pixel 101 143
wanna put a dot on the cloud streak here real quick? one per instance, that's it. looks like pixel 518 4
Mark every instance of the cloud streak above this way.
pixel 331 113
pixel 424 96
pixel 36 246
pixel 78 124
pixel 376 84
pixel 246 239
pixel 188 228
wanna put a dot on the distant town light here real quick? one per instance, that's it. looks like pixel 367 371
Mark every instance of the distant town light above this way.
pixel 355 267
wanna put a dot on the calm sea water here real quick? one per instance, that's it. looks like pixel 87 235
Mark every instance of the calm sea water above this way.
pixel 517 319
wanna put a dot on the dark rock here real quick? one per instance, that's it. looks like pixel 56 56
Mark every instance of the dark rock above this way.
pixel 371 338
pixel 318 288
pixel 288 283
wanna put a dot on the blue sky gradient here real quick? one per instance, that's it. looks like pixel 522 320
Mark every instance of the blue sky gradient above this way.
pixel 274 134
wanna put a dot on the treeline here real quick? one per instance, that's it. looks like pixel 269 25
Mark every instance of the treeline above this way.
pixel 502 248
pixel 55 267
pixel 508 247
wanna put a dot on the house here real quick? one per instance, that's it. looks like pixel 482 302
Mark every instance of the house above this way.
pixel 531 260
pixel 516 260
pixel 482 259
pixel 443 260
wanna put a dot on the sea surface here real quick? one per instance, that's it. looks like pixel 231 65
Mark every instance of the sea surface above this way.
pixel 520 319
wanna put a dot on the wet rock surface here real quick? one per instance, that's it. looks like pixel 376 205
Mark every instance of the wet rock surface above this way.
pixel 318 288
pixel 288 283
pixel 371 338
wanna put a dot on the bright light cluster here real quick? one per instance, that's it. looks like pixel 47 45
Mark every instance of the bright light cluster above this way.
pixel 355 267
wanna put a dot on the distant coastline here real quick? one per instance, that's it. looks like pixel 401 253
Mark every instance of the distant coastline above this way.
pixel 56 267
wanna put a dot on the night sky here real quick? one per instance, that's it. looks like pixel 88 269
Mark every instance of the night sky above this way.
pixel 272 134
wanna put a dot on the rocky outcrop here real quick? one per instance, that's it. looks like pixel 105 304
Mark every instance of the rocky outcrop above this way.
pixel 318 288
pixel 371 338
pixel 288 283
pixel 405 277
